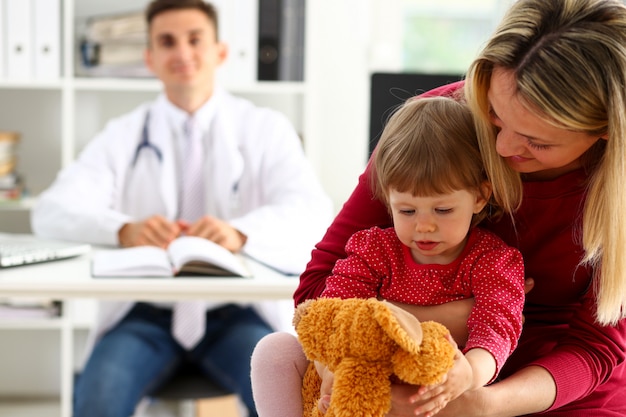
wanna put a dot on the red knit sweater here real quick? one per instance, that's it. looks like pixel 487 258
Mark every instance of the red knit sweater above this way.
pixel 586 360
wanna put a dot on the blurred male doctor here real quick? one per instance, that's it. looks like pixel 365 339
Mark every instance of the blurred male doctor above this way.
pixel 196 161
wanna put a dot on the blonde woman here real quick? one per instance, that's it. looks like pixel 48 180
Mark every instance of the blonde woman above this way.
pixel 549 90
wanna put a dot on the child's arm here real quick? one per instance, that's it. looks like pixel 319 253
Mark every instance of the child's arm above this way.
pixel 483 366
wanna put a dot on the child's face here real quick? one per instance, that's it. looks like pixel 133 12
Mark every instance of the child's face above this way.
pixel 434 228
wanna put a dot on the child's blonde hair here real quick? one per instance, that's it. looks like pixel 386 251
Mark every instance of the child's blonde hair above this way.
pixel 429 147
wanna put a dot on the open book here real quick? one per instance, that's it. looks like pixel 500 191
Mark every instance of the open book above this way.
pixel 187 255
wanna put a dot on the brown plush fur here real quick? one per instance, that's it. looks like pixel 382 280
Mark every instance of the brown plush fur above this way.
pixel 364 343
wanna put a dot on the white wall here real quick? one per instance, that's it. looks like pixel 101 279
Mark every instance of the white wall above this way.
pixel 339 84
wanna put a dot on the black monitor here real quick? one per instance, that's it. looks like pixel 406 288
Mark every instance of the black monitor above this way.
pixel 390 90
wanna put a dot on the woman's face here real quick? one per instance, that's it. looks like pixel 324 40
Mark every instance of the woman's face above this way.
pixel 529 144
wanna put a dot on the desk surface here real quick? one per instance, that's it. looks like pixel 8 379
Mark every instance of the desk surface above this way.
pixel 72 278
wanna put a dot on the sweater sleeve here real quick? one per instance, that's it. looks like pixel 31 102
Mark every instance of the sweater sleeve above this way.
pixel 586 357
pixel 495 322
pixel 359 275
pixel 361 211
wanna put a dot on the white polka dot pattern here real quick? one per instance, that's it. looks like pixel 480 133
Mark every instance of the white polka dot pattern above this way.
pixel 378 264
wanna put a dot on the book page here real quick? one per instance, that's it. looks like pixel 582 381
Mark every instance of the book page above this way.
pixel 148 261
pixel 202 256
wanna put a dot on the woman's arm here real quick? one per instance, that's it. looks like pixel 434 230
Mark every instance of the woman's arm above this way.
pixel 453 315
pixel 510 397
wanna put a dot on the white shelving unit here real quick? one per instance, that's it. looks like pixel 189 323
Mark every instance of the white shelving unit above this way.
pixel 56 119
pixel 40 379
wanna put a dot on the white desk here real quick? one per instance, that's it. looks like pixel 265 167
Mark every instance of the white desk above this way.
pixel 71 278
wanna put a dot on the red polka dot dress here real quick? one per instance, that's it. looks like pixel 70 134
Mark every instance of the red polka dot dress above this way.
pixel 379 265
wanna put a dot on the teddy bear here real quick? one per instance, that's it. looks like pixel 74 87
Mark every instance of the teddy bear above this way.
pixel 367 344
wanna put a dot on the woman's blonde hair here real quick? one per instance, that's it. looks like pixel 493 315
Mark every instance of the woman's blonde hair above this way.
pixel 429 147
pixel 569 61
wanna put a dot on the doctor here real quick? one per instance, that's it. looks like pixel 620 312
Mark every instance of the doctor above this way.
pixel 196 161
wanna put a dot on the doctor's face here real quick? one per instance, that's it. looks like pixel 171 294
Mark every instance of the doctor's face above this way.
pixel 184 52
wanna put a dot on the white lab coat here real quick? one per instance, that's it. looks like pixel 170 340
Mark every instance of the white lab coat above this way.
pixel 258 179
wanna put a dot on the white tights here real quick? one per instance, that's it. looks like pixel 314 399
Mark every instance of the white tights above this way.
pixel 278 365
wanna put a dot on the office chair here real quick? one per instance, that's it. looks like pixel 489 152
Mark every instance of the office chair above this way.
pixel 186 387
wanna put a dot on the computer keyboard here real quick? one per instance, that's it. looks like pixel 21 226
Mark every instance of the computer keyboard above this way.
pixel 18 249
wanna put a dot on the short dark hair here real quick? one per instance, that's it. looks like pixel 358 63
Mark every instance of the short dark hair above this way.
pixel 157 7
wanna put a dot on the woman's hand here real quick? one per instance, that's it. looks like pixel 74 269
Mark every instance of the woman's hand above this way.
pixel 406 401
pixel 402 404
pixel 470 403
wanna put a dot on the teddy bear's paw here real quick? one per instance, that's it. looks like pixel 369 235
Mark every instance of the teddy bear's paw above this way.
pixel 434 360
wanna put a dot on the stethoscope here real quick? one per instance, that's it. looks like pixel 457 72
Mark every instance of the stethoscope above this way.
pixel 145 143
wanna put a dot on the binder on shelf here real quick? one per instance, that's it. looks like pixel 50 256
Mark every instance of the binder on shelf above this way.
pixel 47 39
pixel 238 28
pixel 291 41
pixel 19 42
pixel 269 38
pixel 2 40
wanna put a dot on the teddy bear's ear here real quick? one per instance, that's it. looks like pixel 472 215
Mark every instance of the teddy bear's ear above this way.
pixel 300 311
pixel 404 328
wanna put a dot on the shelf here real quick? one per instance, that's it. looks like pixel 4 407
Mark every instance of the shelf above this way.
pixel 153 85
pixel 31 84
pixel 270 87
pixel 52 323
pixel 147 85
pixel 37 407
pixel 117 84
pixel 25 203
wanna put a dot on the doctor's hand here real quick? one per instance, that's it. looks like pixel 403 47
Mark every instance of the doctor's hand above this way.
pixel 215 230
pixel 154 231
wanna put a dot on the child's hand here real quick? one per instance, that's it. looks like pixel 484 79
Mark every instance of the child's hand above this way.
pixel 327 378
pixel 434 398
